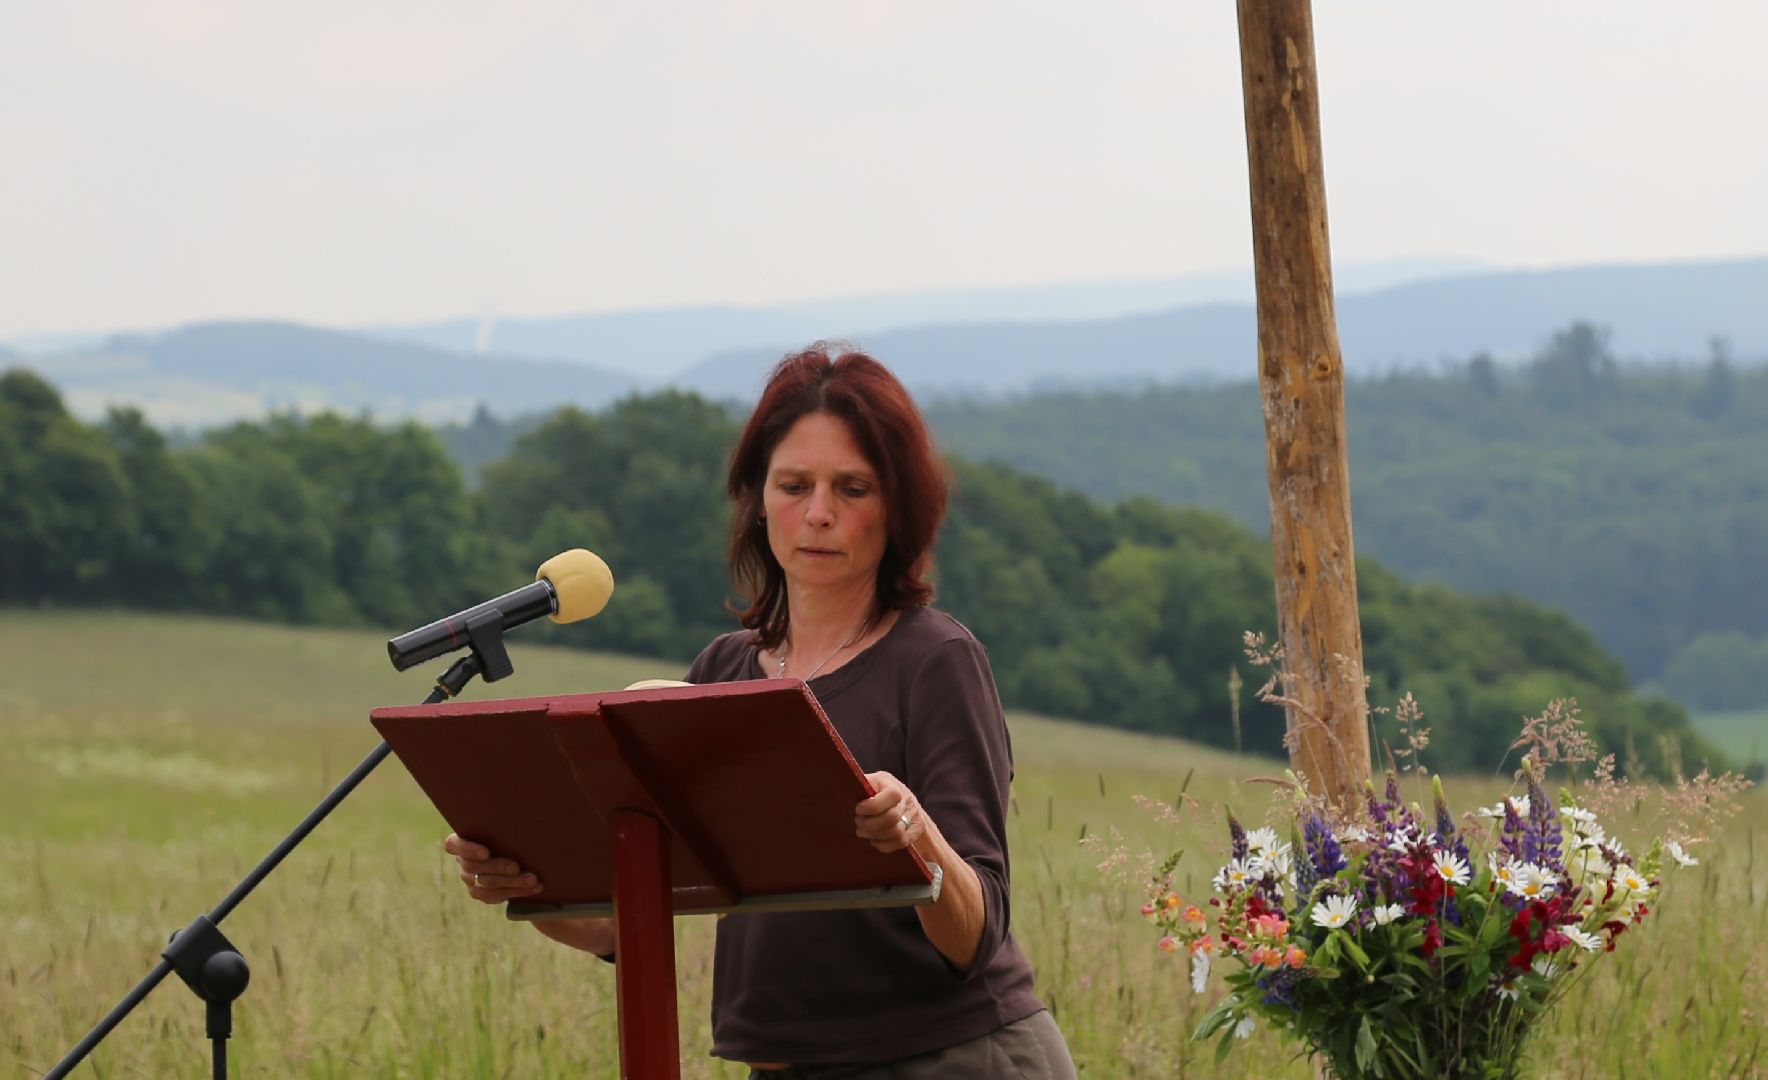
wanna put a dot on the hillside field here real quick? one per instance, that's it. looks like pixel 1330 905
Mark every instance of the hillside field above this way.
pixel 1743 735
pixel 151 761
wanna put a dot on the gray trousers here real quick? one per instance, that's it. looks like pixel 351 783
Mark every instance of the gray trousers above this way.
pixel 1028 1049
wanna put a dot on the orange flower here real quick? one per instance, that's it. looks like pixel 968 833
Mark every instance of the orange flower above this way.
pixel 1169 944
pixel 1194 917
pixel 1296 957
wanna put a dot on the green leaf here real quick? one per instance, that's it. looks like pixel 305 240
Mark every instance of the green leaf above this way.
pixel 1212 1023
pixel 1365 1044
pixel 1357 955
pixel 1477 965
pixel 1226 1044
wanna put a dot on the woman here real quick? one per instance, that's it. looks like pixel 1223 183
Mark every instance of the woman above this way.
pixel 837 494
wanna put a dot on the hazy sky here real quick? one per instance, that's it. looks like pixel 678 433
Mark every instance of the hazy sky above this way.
pixel 400 159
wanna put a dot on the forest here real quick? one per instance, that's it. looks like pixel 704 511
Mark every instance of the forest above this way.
pixel 1633 497
pixel 1129 613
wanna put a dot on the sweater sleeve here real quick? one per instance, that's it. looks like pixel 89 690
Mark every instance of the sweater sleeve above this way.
pixel 960 767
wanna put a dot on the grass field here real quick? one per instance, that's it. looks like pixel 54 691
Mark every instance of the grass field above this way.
pixel 150 762
pixel 1743 735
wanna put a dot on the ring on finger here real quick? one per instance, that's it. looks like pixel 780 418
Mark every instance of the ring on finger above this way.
pixel 476 883
pixel 905 821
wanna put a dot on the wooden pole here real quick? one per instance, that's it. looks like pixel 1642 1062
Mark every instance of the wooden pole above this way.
pixel 1301 380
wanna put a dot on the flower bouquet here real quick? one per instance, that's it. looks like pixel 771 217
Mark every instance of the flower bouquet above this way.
pixel 1397 948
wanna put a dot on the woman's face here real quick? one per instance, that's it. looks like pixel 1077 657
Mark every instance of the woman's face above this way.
pixel 825 513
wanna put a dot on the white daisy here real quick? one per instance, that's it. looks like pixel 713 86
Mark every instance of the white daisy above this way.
pixel 1588 868
pixel 1628 879
pixel 1504 873
pixel 1589 840
pixel 1354 834
pixel 1199 971
pixel 1508 993
pixel 1496 810
pixel 1534 882
pixel 1335 911
pixel 1405 838
pixel 1578 815
pixel 1238 874
pixel 1385 915
pixel 1276 859
pixel 1452 867
pixel 1587 942
pixel 1682 858
pixel 1261 840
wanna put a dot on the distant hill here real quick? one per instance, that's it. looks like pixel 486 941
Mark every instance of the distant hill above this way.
pixel 210 373
pixel 660 343
pixel 974 342
pixel 1653 311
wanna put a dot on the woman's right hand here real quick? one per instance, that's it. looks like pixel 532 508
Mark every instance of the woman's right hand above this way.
pixel 491 880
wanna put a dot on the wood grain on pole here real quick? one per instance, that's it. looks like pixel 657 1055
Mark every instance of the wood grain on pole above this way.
pixel 1301 381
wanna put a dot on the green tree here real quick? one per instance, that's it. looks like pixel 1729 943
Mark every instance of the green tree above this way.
pixel 66 510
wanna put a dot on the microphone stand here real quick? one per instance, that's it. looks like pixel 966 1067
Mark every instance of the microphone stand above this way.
pixel 200 954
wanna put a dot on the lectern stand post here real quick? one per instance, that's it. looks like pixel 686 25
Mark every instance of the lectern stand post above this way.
pixel 644 960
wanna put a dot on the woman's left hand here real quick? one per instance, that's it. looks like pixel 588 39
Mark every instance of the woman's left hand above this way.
pixel 892 819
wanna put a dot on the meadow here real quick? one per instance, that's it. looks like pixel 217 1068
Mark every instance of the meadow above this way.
pixel 1743 734
pixel 150 762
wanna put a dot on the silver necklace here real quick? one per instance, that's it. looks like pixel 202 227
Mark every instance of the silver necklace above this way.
pixel 806 677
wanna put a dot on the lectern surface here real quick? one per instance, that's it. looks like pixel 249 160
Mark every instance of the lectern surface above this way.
pixel 751 782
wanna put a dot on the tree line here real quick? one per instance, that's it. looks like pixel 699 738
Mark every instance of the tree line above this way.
pixel 1633 497
pixel 1129 614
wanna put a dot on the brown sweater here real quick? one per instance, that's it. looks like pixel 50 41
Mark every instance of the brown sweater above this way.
pixel 858 986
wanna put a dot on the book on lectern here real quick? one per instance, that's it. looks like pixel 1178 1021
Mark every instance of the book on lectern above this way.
pixel 751 783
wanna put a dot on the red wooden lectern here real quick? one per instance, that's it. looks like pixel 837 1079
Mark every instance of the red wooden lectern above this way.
pixel 646 804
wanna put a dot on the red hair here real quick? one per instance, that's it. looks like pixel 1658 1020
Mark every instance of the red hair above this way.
pixel 888 429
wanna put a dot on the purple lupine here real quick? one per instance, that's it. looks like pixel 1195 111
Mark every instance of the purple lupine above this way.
pixel 1306 875
pixel 1510 836
pixel 1385 876
pixel 1269 889
pixel 1279 986
pixel 1541 840
pixel 1237 846
pixel 1452 842
pixel 1378 812
pixel 1324 855
pixel 1447 836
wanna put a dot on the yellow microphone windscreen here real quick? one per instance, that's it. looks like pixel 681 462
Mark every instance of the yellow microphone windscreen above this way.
pixel 581 581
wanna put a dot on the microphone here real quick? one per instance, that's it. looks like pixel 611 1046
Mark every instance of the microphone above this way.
pixel 569 586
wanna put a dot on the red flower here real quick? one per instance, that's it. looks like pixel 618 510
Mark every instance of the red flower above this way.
pixel 1549 914
pixel 1433 939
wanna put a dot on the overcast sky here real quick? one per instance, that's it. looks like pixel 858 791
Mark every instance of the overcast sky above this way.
pixel 400 159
